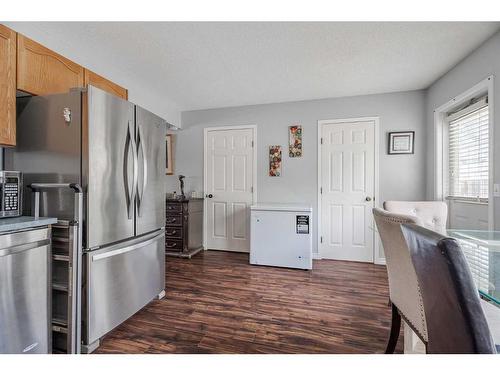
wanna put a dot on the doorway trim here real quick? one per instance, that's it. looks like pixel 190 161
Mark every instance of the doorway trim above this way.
pixel 376 123
pixel 254 172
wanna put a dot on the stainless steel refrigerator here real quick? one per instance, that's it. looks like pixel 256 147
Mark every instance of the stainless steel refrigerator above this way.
pixel 116 151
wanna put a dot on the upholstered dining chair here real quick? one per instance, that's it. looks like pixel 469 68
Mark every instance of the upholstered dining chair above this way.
pixel 432 214
pixel 454 316
pixel 405 297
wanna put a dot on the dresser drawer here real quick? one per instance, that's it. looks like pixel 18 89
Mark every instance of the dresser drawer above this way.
pixel 173 232
pixel 173 245
pixel 173 207
pixel 173 220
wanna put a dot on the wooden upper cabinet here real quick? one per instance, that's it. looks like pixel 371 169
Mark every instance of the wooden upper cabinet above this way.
pixel 7 86
pixel 102 83
pixel 41 71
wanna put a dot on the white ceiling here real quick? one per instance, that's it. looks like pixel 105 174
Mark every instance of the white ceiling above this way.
pixel 210 65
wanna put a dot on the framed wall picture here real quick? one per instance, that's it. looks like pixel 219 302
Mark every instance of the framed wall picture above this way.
pixel 401 142
pixel 274 161
pixel 295 141
pixel 169 155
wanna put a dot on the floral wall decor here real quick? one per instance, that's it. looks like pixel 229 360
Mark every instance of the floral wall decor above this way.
pixel 274 161
pixel 295 141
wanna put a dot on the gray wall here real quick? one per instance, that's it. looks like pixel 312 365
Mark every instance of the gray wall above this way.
pixel 401 176
pixel 483 62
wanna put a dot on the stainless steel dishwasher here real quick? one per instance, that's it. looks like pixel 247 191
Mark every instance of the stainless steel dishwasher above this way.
pixel 25 291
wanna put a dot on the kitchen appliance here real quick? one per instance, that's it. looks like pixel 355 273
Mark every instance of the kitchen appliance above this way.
pixel 281 235
pixel 25 291
pixel 11 185
pixel 115 151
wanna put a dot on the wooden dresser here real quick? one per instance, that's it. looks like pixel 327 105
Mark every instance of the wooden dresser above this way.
pixel 183 227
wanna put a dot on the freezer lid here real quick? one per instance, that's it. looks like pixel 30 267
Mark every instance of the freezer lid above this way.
pixel 287 207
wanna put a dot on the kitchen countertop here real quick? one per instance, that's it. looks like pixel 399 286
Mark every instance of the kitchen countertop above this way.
pixel 24 222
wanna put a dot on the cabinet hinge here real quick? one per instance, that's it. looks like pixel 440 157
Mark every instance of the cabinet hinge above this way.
pixel 321 140
pixel 321 190
pixel 321 239
pixel 251 189
pixel 252 143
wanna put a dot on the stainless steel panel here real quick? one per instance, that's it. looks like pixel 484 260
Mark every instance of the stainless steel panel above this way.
pixel 110 167
pixel 25 292
pixel 8 242
pixel 66 272
pixel 195 224
pixel 48 149
pixel 150 134
pixel 121 279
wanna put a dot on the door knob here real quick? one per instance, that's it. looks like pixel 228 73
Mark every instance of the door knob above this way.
pixel 209 196
pixel 368 199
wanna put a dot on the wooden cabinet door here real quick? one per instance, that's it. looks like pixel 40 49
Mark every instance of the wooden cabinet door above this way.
pixel 41 71
pixel 7 86
pixel 102 83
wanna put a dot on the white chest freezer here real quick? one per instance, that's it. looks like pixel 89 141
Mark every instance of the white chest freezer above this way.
pixel 281 235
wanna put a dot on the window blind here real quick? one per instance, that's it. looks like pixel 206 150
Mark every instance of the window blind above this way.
pixel 478 260
pixel 468 155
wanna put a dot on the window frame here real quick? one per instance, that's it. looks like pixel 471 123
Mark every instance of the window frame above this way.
pixel 441 144
pixel 479 105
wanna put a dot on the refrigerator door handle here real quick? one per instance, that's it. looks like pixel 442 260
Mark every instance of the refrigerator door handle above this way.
pixel 136 166
pixel 155 237
pixel 130 195
pixel 140 143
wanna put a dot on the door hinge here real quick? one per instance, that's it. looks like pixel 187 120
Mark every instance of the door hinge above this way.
pixel 252 143
pixel 321 239
pixel 321 140
pixel 321 190
pixel 251 189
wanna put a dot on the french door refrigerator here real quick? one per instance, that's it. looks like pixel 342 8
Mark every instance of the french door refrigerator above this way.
pixel 116 151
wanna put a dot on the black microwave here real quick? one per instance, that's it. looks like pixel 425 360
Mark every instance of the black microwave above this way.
pixel 11 185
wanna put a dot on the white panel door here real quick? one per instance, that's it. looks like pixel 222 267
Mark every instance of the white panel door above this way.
pixel 228 188
pixel 347 190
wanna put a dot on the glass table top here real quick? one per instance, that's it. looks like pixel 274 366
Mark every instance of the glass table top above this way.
pixel 482 251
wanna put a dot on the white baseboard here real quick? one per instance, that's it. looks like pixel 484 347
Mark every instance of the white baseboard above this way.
pixel 380 261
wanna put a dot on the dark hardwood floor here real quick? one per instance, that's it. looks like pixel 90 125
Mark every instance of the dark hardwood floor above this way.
pixel 217 303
